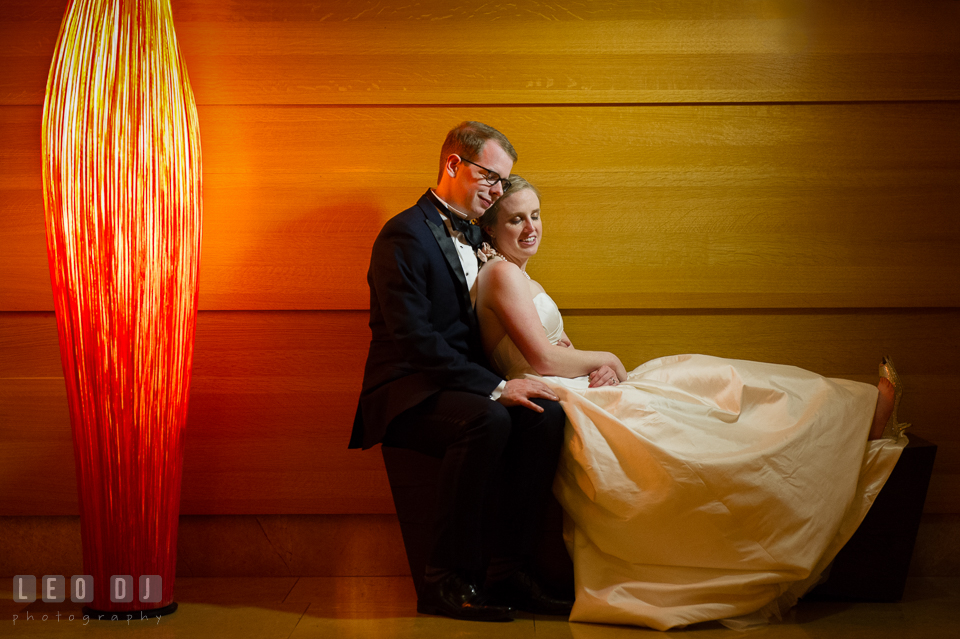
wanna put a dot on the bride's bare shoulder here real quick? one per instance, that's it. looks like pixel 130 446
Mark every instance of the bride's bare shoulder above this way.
pixel 498 271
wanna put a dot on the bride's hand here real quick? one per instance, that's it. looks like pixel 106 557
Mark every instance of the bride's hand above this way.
pixel 603 376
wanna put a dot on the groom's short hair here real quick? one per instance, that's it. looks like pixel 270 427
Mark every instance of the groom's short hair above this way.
pixel 467 140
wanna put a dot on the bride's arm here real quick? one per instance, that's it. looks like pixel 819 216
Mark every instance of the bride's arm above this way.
pixel 603 376
pixel 507 295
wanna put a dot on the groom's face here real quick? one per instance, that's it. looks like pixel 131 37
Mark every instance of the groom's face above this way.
pixel 473 193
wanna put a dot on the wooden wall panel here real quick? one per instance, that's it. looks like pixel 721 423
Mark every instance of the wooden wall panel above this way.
pixel 271 406
pixel 754 206
pixel 608 51
pixel 225 547
pixel 274 393
pixel 769 179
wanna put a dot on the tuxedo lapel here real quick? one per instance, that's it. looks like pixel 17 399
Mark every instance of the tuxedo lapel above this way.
pixel 449 252
pixel 445 242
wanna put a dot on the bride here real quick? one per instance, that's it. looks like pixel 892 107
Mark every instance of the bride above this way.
pixel 696 488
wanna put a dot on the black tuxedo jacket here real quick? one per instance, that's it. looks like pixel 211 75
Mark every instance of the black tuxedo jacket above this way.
pixel 425 335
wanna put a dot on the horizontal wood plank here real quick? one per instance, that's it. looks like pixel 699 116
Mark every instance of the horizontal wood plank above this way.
pixel 273 397
pixel 271 406
pixel 314 548
pixel 943 495
pixel 645 207
pixel 612 51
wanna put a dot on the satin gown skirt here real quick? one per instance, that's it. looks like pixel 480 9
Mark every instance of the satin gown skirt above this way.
pixel 705 488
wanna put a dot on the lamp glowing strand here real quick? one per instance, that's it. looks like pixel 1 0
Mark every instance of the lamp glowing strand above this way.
pixel 122 194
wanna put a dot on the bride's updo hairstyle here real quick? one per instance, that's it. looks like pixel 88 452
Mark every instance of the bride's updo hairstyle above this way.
pixel 489 217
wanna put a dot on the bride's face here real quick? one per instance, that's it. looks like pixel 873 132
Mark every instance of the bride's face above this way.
pixel 519 229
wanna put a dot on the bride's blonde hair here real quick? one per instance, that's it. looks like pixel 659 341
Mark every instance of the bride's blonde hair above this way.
pixel 489 217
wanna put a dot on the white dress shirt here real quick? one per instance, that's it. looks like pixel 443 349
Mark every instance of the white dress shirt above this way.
pixel 466 253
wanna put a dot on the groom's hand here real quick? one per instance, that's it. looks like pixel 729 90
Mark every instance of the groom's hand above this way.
pixel 520 392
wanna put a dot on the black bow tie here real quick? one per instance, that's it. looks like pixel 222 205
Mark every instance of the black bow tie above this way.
pixel 471 232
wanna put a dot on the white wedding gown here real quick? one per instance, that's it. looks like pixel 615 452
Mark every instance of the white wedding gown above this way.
pixel 704 488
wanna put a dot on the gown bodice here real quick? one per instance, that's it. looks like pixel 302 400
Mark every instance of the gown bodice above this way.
pixel 507 358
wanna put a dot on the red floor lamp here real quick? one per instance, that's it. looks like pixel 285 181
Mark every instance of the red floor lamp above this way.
pixel 122 194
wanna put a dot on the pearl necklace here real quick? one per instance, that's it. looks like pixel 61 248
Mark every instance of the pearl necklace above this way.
pixel 485 252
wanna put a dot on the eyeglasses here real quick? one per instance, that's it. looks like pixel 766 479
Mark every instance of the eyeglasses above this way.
pixel 492 177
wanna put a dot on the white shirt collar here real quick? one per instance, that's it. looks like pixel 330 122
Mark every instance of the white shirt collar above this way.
pixel 449 208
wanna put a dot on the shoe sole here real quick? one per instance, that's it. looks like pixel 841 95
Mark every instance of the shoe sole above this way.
pixel 427 609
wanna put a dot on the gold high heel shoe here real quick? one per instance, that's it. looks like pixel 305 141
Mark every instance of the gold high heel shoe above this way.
pixel 893 429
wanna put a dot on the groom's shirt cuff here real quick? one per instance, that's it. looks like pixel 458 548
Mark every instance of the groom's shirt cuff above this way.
pixel 498 391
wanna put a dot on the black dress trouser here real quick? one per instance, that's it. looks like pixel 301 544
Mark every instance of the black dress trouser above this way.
pixel 491 457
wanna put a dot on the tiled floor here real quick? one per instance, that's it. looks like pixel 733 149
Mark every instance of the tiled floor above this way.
pixel 384 607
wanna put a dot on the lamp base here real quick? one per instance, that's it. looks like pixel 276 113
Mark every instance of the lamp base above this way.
pixel 121 615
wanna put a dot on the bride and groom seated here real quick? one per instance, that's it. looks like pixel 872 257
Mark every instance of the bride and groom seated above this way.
pixel 698 488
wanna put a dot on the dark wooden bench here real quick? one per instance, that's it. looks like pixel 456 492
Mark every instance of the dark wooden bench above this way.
pixel 873 566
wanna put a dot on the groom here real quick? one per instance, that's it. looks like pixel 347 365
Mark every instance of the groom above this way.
pixel 426 387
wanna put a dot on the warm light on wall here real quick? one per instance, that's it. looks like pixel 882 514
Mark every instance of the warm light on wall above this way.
pixel 121 177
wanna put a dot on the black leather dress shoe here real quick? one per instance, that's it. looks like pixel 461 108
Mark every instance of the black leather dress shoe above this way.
pixel 455 597
pixel 522 592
